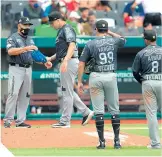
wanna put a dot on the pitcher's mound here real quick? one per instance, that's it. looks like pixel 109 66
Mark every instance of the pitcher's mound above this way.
pixel 69 137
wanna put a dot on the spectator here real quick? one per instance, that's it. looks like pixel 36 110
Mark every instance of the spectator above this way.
pixel 72 5
pixel 152 9
pixel 53 7
pixel 91 4
pixel 63 10
pixel 129 29
pixel 34 11
pixel 129 11
pixel 84 15
pixel 147 26
pixel 73 21
pixel 89 28
pixel 103 5
pixel 137 13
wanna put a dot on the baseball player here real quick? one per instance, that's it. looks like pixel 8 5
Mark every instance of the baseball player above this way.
pixel 67 54
pixel 102 80
pixel 147 70
pixel 20 56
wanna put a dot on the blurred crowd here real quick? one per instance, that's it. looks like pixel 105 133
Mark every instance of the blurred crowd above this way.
pixel 128 18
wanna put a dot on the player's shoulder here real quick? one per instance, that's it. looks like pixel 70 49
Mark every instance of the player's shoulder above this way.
pixel 91 43
pixel 12 36
pixel 68 28
pixel 142 52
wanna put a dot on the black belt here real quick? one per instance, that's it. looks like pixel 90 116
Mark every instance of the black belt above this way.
pixel 21 65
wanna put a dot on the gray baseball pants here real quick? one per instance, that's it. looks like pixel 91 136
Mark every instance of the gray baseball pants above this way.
pixel 103 86
pixel 69 97
pixel 19 85
pixel 152 95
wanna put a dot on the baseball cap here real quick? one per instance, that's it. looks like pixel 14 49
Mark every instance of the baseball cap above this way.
pixel 55 16
pixel 102 24
pixel 150 35
pixel 25 21
pixel 128 19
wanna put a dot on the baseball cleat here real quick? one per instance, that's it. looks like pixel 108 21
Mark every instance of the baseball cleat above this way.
pixel 117 144
pixel 101 145
pixel 87 118
pixel 23 125
pixel 60 125
pixel 154 147
pixel 7 124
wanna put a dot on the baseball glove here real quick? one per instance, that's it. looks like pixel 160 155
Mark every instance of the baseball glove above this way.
pixel 89 66
pixel 38 56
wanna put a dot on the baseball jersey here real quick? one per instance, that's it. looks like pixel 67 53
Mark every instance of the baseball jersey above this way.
pixel 17 41
pixel 148 62
pixel 65 36
pixel 104 51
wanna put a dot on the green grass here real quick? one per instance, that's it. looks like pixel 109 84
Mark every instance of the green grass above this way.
pixel 109 151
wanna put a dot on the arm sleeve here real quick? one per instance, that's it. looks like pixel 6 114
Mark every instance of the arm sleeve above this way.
pixel 70 35
pixel 85 56
pixel 10 44
pixel 120 41
pixel 137 76
pixel 136 64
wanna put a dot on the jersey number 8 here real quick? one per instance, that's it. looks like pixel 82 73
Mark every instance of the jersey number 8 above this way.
pixel 106 57
pixel 155 65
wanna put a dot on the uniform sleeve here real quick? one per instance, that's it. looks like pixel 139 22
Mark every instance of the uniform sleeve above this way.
pixel 126 9
pixel 32 42
pixel 120 41
pixel 70 35
pixel 85 56
pixel 136 64
pixel 10 43
pixel 138 1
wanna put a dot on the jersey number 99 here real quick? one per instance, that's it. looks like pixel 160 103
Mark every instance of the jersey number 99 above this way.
pixel 106 57
pixel 155 66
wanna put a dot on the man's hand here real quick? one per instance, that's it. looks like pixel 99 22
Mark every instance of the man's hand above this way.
pixel 63 67
pixel 48 65
pixel 80 88
pixel 29 48
pixel 48 59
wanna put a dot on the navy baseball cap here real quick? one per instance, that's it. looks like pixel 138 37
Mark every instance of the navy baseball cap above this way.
pixel 150 35
pixel 55 16
pixel 24 21
pixel 102 24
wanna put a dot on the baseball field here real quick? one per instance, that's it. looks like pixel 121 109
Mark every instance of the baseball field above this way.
pixel 42 140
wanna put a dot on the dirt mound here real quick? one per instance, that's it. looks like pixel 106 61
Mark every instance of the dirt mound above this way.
pixel 69 137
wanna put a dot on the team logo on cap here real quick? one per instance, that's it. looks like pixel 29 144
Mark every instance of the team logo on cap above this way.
pixel 27 19
pixel 103 25
pixel 153 37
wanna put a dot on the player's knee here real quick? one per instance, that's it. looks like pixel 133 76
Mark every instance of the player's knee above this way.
pixel 115 119
pixel 99 118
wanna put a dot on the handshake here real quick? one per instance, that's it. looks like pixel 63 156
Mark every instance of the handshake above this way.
pixel 48 64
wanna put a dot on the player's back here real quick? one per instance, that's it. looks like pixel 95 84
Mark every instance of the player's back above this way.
pixel 104 51
pixel 151 60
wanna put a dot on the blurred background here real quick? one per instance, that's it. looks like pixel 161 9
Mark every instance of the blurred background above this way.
pixel 126 17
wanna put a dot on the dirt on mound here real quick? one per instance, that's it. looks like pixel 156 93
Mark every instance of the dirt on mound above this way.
pixel 67 137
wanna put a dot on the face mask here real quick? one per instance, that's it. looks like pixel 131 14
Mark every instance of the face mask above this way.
pixel 36 5
pixel 25 31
